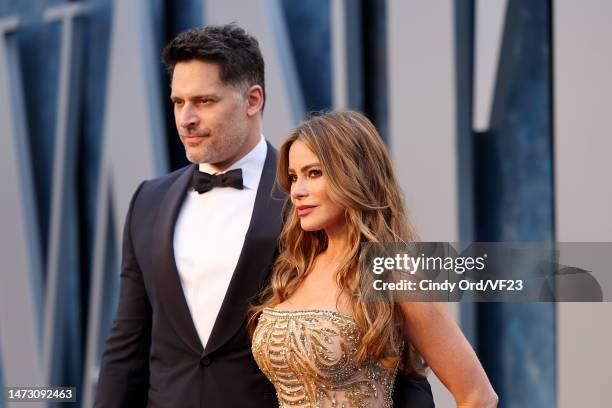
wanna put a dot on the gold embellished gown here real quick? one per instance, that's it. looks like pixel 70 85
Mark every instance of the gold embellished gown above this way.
pixel 308 356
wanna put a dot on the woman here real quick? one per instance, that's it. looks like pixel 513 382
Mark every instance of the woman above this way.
pixel 314 336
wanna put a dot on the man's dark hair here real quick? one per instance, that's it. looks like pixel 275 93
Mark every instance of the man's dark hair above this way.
pixel 229 45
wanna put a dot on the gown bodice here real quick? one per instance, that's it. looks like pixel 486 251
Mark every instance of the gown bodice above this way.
pixel 308 356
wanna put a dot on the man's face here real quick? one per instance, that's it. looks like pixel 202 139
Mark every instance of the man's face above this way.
pixel 211 117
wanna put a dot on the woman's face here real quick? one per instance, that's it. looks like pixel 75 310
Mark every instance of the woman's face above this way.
pixel 309 191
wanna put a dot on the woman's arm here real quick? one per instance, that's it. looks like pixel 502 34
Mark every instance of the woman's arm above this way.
pixel 436 336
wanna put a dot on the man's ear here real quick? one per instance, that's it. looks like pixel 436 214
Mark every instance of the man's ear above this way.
pixel 255 99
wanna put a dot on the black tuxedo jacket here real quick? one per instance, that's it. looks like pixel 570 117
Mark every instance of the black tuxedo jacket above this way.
pixel 153 355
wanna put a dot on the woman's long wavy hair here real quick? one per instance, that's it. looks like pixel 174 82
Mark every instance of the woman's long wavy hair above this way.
pixel 360 177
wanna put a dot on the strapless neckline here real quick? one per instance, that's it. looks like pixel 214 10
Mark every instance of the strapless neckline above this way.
pixel 307 312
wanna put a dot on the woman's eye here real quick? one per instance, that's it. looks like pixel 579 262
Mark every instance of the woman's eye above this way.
pixel 292 178
pixel 315 173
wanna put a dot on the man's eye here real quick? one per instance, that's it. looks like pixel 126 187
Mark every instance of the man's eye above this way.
pixel 177 103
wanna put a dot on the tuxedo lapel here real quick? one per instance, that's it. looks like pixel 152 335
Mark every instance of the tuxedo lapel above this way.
pixel 170 291
pixel 253 264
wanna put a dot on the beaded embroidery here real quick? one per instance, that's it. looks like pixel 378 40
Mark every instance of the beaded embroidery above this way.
pixel 307 355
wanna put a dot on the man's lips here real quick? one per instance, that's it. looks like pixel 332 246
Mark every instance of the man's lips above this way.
pixel 303 210
pixel 194 138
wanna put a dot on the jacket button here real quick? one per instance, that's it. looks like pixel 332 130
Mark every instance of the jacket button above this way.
pixel 205 361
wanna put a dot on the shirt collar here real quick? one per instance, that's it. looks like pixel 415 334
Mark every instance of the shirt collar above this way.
pixel 251 165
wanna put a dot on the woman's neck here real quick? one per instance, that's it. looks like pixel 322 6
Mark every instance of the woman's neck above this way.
pixel 337 242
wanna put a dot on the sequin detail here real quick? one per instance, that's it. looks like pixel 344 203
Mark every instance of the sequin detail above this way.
pixel 307 355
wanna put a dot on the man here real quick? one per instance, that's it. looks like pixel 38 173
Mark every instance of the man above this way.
pixel 198 248
pixel 192 260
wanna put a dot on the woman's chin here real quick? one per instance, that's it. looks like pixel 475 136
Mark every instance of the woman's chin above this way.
pixel 309 226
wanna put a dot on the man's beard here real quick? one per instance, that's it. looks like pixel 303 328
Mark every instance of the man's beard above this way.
pixel 208 155
pixel 213 154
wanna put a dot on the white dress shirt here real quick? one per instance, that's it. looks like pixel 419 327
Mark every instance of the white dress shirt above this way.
pixel 208 238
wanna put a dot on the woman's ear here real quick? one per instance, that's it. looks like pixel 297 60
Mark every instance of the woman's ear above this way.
pixel 255 99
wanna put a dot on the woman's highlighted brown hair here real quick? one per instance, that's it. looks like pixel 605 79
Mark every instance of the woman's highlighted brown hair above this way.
pixel 361 178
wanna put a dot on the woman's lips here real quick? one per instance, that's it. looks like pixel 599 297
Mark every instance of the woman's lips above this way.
pixel 305 210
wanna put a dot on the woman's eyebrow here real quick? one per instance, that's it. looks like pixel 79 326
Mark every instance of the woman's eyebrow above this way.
pixel 306 167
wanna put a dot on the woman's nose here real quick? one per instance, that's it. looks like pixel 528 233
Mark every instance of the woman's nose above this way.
pixel 298 189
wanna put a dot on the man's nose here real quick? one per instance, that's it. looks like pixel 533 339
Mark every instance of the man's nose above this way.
pixel 188 117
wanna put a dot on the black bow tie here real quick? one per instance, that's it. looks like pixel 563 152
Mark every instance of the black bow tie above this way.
pixel 203 182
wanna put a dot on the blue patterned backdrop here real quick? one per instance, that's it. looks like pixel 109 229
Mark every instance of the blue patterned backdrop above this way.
pixel 513 184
